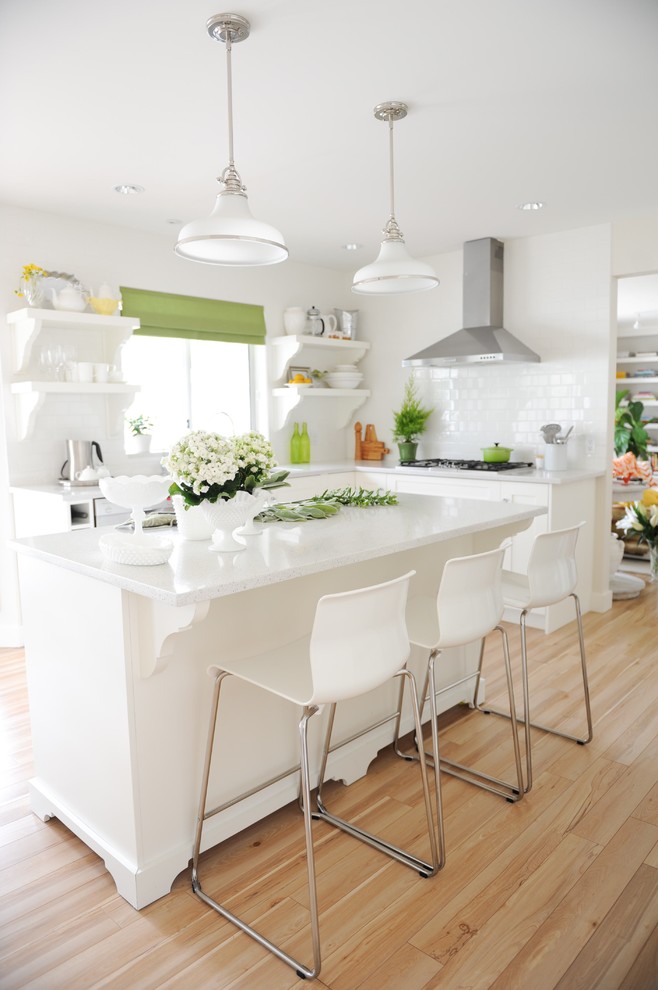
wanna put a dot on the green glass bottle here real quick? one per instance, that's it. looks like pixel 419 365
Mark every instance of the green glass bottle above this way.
pixel 296 446
pixel 304 446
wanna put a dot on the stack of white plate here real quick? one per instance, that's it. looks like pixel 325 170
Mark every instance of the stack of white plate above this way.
pixel 344 379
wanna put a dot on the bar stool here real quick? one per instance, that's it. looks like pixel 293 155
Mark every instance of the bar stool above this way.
pixel 357 643
pixel 551 577
pixel 467 607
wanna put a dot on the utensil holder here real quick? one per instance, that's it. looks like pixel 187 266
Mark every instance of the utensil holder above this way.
pixel 555 457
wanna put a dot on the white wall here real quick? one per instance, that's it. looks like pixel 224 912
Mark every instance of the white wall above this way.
pixel 557 301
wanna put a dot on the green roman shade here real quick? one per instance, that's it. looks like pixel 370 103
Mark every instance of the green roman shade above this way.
pixel 164 314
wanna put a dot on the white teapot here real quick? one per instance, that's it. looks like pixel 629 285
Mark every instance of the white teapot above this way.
pixel 68 298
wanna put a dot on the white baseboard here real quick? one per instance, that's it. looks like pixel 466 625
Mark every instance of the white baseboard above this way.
pixel 11 636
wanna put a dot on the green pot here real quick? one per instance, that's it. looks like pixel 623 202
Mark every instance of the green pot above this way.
pixel 496 454
pixel 408 450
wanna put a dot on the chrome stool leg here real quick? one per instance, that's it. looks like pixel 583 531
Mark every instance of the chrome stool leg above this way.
pixel 425 869
pixel 512 792
pixel 526 720
pixel 302 971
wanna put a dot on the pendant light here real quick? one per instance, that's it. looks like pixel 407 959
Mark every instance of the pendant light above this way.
pixel 231 235
pixel 394 270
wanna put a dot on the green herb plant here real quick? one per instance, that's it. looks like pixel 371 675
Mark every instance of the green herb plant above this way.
pixel 411 419
pixel 139 425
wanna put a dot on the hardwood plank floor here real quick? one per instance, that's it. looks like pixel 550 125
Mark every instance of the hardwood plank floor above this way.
pixel 556 892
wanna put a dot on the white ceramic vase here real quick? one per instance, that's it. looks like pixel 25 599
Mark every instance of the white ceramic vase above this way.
pixel 191 523
pixel 225 516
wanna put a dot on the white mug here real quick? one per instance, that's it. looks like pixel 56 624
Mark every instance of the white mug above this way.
pixel 101 372
pixel 84 371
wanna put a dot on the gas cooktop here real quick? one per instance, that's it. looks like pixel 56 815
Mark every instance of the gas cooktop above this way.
pixel 448 463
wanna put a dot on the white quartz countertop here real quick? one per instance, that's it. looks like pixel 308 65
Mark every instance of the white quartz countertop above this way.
pixel 194 573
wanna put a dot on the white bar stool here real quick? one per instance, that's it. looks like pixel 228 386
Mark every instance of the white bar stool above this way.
pixel 551 577
pixel 357 643
pixel 467 607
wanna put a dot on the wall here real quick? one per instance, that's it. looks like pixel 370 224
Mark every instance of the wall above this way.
pixel 96 253
pixel 557 301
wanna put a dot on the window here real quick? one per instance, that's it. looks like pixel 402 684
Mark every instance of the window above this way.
pixel 191 385
pixel 199 362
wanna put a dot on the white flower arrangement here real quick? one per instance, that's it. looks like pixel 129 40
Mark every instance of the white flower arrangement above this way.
pixel 641 518
pixel 208 466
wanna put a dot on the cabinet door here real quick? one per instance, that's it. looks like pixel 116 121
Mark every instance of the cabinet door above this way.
pixel 484 490
pixel 373 480
pixel 516 558
pixel 307 485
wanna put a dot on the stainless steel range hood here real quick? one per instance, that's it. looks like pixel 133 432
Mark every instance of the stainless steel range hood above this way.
pixel 483 339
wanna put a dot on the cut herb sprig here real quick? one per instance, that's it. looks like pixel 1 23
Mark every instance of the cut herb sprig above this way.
pixel 327 504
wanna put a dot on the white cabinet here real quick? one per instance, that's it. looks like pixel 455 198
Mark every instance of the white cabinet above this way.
pixel 95 338
pixel 37 513
pixel 485 490
pixel 315 353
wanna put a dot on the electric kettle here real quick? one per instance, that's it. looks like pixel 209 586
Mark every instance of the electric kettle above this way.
pixel 79 468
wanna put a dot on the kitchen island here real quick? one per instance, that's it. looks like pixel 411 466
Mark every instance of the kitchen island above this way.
pixel 117 659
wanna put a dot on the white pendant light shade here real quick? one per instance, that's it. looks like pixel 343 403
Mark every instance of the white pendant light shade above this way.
pixel 394 270
pixel 230 235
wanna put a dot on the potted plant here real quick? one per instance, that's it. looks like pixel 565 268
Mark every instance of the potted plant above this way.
pixel 140 433
pixel 630 434
pixel 409 422
pixel 228 477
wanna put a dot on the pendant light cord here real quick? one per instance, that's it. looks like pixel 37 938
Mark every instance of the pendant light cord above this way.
pixel 230 176
pixel 391 230
pixel 391 166
pixel 229 91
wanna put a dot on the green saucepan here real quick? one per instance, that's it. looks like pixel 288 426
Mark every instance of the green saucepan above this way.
pixel 496 454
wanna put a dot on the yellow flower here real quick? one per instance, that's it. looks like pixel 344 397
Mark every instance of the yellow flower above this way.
pixel 650 496
pixel 32 271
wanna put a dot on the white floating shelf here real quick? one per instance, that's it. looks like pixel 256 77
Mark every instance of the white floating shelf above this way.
pixel 30 396
pixel 284 349
pixel 27 324
pixel 345 402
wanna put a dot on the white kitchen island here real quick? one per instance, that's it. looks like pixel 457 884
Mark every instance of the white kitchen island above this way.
pixel 117 659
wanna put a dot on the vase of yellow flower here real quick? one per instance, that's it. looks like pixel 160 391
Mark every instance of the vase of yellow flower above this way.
pixel 641 519
pixel 31 285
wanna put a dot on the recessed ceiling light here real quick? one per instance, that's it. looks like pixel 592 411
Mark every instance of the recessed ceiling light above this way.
pixel 352 247
pixel 530 206
pixel 125 189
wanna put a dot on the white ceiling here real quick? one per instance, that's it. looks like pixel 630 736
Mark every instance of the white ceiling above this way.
pixel 509 101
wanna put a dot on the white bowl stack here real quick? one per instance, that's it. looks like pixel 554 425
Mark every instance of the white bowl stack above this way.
pixel 344 376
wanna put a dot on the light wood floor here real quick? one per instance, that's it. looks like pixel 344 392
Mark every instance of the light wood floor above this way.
pixel 557 892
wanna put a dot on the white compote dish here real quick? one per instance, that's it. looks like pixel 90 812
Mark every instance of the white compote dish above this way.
pixel 136 493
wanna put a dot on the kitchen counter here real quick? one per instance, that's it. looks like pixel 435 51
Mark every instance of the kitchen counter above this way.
pixel 117 661
pixel 283 551
pixel 388 465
